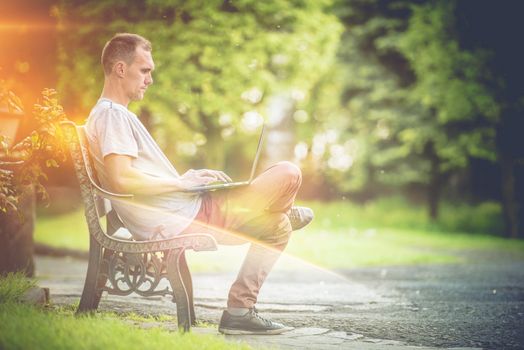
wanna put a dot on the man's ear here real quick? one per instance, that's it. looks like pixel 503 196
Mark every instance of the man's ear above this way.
pixel 119 68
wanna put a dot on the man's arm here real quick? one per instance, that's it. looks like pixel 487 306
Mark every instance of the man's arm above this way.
pixel 124 178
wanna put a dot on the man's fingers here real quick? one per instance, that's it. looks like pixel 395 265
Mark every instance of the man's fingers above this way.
pixel 225 177
pixel 215 174
pixel 219 175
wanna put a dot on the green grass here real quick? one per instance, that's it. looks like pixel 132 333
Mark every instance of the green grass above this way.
pixel 67 230
pixel 375 247
pixel 397 213
pixel 345 235
pixel 28 327
pixel 13 286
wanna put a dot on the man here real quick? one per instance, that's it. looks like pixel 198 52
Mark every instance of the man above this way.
pixel 128 160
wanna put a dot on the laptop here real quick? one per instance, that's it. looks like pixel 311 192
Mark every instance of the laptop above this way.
pixel 214 186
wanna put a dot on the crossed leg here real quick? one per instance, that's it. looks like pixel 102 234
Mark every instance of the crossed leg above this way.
pixel 254 213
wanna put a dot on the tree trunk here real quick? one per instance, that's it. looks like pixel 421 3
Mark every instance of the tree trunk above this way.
pixel 434 197
pixel 435 184
pixel 16 236
pixel 215 152
pixel 509 202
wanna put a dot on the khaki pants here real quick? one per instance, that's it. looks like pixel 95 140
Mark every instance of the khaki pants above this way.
pixel 256 214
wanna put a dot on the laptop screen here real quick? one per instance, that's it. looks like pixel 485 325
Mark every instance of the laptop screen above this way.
pixel 257 154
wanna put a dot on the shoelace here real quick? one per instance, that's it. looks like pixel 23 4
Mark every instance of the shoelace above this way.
pixel 294 214
pixel 266 322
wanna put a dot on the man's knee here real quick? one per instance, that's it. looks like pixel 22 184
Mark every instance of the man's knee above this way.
pixel 271 228
pixel 290 172
pixel 279 230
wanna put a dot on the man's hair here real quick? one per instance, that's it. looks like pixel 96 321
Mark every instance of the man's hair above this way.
pixel 122 47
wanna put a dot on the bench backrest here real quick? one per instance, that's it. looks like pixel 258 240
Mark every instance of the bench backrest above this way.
pixel 94 196
pixel 90 171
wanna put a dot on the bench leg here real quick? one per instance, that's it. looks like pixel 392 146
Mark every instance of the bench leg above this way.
pixel 180 293
pixel 103 275
pixel 188 282
pixel 91 293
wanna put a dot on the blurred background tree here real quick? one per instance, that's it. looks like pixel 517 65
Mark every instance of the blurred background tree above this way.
pixel 419 98
pixel 413 104
pixel 217 63
pixel 416 103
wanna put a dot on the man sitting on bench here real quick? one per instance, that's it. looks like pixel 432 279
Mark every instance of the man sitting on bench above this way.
pixel 128 160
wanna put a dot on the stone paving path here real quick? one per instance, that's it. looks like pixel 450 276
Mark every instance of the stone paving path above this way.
pixel 318 303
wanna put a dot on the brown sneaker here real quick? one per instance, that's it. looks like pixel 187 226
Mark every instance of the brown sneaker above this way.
pixel 250 323
pixel 300 217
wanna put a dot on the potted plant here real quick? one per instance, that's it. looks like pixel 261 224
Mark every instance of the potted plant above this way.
pixel 22 169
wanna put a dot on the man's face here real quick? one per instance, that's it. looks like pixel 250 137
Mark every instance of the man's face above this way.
pixel 138 75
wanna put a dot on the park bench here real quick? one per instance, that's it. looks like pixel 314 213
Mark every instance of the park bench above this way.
pixel 120 265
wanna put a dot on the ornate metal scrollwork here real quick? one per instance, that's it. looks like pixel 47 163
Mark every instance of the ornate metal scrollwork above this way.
pixel 139 273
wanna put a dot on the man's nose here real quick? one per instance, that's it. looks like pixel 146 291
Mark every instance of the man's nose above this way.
pixel 149 80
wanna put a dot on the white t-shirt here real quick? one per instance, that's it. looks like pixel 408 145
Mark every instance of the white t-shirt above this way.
pixel 112 129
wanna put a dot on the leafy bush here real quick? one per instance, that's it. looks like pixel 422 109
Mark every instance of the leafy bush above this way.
pixel 24 163
pixel 481 218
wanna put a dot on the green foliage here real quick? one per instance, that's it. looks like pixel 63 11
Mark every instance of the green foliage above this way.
pixel 25 327
pixel 24 163
pixel 372 107
pixel 13 286
pixel 8 98
pixel 217 61
pixel 449 82
pixel 412 105
pixel 8 195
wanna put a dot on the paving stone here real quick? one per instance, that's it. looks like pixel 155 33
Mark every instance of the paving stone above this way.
pixel 345 335
pixel 36 296
pixel 308 331
pixel 321 339
pixel 372 340
pixel 205 330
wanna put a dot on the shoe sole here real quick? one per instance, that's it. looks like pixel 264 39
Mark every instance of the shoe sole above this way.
pixel 231 331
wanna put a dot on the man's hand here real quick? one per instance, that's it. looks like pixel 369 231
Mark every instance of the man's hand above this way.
pixel 203 177
pixel 125 178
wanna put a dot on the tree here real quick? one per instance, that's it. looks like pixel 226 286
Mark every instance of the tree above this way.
pixel 375 108
pixel 460 111
pixel 488 27
pixel 358 126
pixel 414 109
pixel 218 61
